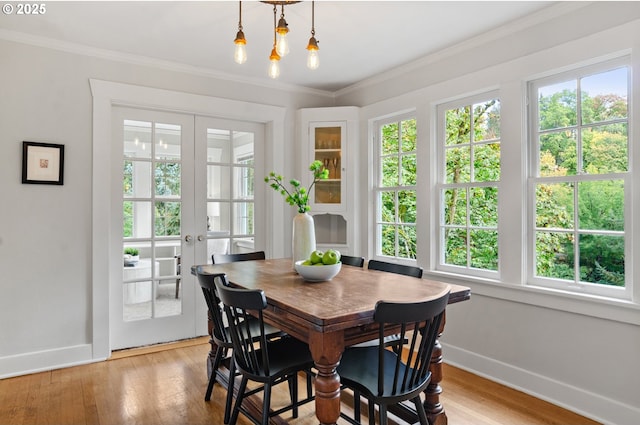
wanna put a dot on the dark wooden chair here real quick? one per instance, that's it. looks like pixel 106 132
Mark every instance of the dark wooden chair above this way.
pixel 395 268
pixel 381 375
pixel 267 362
pixel 221 336
pixel 352 261
pixel 230 258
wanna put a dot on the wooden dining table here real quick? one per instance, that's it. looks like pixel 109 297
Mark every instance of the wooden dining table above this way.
pixel 335 314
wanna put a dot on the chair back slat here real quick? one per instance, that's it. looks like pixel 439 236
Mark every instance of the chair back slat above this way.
pixel 395 268
pixel 232 258
pixel 249 342
pixel 207 283
pixel 349 260
pixel 419 326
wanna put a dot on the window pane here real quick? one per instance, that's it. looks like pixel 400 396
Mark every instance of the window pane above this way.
pixel 604 149
pixel 167 179
pixel 458 125
pixel 604 96
pixel 601 205
pixel 602 259
pixel 407 206
pixel 218 214
pixel 554 255
pixel 390 172
pixel 137 139
pixel 455 206
pixel 218 145
pixel 243 218
pixel 390 136
pixel 554 205
pixel 388 207
pixel 455 241
pixel 243 178
pixel 486 120
pixel 458 165
pixel 483 206
pixel 486 162
pixel 136 179
pixel 558 154
pixel 407 242
pixel 167 219
pixel 408 170
pixel 484 249
pixel 557 105
pixel 167 144
pixel 408 135
pixel 388 239
pixel 137 219
pixel 166 304
pixel 218 182
pixel 242 148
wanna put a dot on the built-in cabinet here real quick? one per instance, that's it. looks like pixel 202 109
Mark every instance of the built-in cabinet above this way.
pixel 330 135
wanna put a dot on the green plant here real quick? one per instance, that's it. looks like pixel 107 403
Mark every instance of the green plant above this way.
pixel 131 251
pixel 298 195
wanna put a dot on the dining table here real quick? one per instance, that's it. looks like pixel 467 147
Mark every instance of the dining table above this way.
pixel 332 315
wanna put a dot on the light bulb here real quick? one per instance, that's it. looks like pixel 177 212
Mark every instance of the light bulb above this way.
pixel 313 59
pixel 282 44
pixel 274 68
pixel 240 55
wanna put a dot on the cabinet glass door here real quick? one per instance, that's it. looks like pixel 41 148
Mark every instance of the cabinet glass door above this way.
pixel 328 144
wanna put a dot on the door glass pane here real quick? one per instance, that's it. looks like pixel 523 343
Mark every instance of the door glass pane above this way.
pixel 218 181
pixel 218 145
pixel 152 175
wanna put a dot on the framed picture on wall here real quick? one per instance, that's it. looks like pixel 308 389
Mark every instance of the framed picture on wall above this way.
pixel 42 163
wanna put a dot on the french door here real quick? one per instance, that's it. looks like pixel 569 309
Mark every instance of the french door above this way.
pixel 186 192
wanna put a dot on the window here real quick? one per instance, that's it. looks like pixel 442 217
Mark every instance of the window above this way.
pixel 580 179
pixel 396 189
pixel 469 176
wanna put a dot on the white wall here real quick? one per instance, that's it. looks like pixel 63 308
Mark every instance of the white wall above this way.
pixel 581 354
pixel 574 351
pixel 45 231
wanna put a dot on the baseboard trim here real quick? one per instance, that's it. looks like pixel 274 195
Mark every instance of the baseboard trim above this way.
pixel 40 361
pixel 583 402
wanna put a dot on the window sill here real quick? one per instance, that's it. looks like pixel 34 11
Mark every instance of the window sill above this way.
pixel 623 311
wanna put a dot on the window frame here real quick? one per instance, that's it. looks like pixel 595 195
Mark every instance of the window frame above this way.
pixel 577 287
pixel 441 185
pixel 378 188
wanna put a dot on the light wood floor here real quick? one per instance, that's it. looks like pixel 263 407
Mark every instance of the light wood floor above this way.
pixel 166 385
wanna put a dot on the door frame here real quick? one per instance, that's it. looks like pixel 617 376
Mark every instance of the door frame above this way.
pixel 106 94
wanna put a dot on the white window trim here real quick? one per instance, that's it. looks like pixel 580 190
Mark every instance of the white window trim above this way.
pixel 532 280
pixel 438 248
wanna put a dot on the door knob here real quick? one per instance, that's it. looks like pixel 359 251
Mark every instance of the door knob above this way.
pixel 188 238
pixel 200 238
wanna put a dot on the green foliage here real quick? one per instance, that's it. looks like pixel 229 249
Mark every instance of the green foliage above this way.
pixel 131 251
pixel 298 195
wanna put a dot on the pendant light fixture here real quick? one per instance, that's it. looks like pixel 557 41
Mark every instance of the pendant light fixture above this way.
pixel 274 58
pixel 280 40
pixel 240 54
pixel 313 60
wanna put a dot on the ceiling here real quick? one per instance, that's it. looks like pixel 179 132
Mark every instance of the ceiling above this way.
pixel 357 39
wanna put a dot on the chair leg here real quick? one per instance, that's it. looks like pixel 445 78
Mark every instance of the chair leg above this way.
pixel 422 415
pixel 232 380
pixel 293 388
pixel 266 404
pixel 309 384
pixel 214 371
pixel 236 407
pixel 356 405
pixel 383 414
pixel 372 413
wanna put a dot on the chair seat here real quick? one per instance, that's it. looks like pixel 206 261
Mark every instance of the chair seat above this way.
pixel 356 372
pixel 285 355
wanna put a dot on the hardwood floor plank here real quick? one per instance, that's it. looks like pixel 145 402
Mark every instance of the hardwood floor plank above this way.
pixel 166 385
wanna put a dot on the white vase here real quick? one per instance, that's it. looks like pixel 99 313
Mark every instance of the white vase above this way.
pixel 304 237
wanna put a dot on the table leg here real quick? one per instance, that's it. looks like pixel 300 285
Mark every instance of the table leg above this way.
pixel 326 349
pixel 432 406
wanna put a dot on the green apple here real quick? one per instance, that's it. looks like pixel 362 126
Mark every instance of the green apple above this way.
pixel 316 257
pixel 330 257
pixel 307 263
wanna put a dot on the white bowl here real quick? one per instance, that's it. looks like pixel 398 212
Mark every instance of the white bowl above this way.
pixel 317 273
